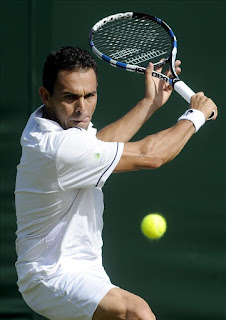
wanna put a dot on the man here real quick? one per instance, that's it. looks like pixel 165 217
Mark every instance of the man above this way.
pixel 63 168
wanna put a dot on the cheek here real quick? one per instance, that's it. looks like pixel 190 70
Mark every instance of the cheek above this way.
pixel 64 110
pixel 61 114
pixel 94 103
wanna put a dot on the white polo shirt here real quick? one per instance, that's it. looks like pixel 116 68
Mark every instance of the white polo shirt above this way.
pixel 59 201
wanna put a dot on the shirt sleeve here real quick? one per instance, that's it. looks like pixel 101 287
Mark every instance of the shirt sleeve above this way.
pixel 84 161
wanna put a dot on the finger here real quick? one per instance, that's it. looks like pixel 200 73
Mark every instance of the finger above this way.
pixel 148 74
pixel 177 63
pixel 213 115
pixel 177 69
pixel 200 94
pixel 149 69
pixel 159 69
pixel 214 111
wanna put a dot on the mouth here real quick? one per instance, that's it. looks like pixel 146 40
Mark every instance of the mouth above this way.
pixel 82 121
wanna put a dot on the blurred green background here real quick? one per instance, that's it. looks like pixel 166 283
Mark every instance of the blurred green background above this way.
pixel 183 275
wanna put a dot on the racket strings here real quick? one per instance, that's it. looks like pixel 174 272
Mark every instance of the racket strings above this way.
pixel 133 41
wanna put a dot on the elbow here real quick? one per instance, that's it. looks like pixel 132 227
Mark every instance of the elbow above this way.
pixel 157 163
pixel 152 162
pixel 153 155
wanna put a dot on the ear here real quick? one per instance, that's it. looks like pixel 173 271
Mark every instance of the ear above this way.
pixel 45 95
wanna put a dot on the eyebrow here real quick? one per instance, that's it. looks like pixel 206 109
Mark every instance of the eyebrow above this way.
pixel 76 94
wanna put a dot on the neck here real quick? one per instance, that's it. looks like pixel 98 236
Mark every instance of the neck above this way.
pixel 45 113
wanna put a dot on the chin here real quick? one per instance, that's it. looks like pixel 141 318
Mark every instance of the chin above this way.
pixel 79 125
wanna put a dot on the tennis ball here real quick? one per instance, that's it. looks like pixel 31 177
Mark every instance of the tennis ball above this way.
pixel 153 226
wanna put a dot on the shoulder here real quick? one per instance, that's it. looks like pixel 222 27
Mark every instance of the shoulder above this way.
pixel 75 143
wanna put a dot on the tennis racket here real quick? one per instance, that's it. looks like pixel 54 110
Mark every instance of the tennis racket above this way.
pixel 131 40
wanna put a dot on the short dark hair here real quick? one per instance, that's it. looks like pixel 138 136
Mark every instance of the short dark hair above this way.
pixel 66 58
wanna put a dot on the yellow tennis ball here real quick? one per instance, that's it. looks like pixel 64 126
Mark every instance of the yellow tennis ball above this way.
pixel 153 226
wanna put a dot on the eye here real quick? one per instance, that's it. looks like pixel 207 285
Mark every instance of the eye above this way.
pixel 89 95
pixel 70 96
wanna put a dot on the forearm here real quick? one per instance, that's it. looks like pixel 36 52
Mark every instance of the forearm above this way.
pixel 157 149
pixel 157 92
pixel 126 127
pixel 166 145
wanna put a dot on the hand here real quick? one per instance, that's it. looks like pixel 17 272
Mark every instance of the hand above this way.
pixel 158 91
pixel 200 102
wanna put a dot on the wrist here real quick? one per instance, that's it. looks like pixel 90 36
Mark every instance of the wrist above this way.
pixel 197 117
pixel 150 103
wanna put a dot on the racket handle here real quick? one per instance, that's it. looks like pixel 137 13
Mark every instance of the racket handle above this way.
pixel 186 93
pixel 184 90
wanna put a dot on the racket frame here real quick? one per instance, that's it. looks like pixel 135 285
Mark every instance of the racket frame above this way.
pixel 174 81
pixel 135 68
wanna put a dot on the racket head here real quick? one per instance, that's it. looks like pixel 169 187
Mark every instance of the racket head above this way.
pixel 131 40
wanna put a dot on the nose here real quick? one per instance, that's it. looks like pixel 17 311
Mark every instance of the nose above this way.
pixel 80 105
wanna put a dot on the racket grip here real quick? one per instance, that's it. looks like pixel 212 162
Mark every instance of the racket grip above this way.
pixel 186 93
pixel 184 90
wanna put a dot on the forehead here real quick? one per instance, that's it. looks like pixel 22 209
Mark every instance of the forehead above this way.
pixel 76 80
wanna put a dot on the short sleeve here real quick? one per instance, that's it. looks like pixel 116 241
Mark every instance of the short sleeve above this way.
pixel 84 161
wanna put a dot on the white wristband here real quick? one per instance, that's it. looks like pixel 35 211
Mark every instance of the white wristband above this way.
pixel 195 116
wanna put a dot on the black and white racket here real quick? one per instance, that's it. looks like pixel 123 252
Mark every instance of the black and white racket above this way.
pixel 131 40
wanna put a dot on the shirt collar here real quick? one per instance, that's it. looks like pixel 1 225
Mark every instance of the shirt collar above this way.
pixel 46 124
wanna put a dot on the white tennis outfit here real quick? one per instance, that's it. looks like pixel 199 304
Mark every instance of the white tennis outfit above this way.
pixel 59 206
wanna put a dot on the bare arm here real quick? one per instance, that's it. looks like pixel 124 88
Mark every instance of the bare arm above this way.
pixel 126 127
pixel 157 93
pixel 155 150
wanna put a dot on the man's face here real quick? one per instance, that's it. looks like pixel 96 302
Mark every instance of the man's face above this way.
pixel 74 99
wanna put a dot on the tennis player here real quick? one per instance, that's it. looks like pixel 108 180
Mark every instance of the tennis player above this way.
pixel 59 202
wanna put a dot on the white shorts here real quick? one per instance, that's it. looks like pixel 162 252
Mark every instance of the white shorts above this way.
pixel 69 295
